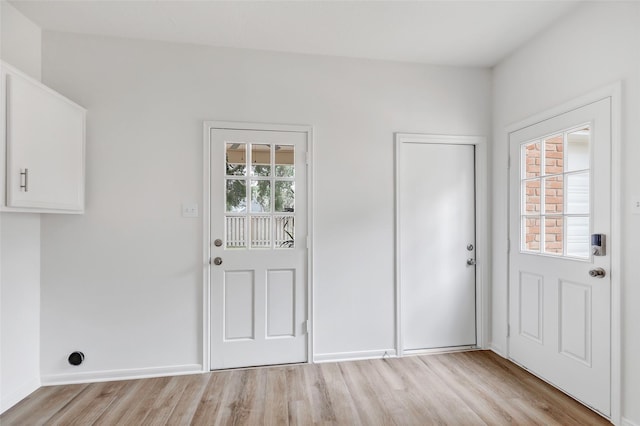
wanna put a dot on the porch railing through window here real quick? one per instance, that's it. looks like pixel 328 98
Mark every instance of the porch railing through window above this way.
pixel 262 231
pixel 236 231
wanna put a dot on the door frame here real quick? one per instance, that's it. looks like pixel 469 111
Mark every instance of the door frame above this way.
pixel 206 225
pixel 482 293
pixel 614 243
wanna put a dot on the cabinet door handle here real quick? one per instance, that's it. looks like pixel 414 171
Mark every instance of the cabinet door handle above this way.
pixel 24 175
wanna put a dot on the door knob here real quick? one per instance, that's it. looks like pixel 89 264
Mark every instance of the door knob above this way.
pixel 217 261
pixel 471 261
pixel 597 273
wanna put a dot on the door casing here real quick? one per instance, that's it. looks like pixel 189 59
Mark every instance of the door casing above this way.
pixel 206 225
pixel 614 243
pixel 482 299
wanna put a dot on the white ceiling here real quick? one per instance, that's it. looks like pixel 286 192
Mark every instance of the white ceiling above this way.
pixel 469 33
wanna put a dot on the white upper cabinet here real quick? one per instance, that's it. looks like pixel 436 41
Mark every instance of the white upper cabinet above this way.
pixel 43 147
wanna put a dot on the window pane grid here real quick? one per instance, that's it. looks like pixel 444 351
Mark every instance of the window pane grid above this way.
pixel 554 207
pixel 260 196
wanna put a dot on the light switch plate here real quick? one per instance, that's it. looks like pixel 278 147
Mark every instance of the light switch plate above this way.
pixel 635 204
pixel 189 210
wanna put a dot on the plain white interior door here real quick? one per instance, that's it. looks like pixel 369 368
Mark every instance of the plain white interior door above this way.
pixel 559 304
pixel 436 218
pixel 258 248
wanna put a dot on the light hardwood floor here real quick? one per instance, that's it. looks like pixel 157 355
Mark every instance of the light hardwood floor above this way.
pixel 464 388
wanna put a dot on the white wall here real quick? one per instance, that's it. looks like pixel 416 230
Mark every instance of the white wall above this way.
pixel 20 307
pixel 598 44
pixel 20 45
pixel 123 282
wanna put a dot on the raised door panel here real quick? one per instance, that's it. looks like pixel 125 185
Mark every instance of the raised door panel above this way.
pixel 239 305
pixel 575 321
pixel 281 304
pixel 45 147
pixel 531 306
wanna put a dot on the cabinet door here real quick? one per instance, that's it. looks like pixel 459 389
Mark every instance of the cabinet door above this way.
pixel 45 148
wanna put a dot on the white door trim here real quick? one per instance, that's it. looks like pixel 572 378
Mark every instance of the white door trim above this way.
pixel 482 295
pixel 206 225
pixel 614 92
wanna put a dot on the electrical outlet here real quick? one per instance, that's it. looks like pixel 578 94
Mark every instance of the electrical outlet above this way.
pixel 189 210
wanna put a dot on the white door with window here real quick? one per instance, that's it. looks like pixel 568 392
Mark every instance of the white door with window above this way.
pixel 559 288
pixel 258 250
pixel 436 243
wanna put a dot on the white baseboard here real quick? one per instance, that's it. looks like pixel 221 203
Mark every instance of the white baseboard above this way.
pixel 438 351
pixel 353 356
pixel 627 422
pixel 497 349
pixel 18 395
pixel 127 374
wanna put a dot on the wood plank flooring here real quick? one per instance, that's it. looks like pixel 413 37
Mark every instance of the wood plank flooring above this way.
pixel 463 388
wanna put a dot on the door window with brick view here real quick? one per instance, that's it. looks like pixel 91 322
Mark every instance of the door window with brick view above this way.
pixel 555 194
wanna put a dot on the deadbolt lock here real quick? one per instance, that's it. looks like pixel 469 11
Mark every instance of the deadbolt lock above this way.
pixel 217 242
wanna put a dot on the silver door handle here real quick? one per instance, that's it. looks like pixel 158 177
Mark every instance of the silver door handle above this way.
pixel 597 273
pixel 24 175
pixel 471 261
pixel 217 261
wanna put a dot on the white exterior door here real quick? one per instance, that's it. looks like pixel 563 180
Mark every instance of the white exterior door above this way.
pixel 436 218
pixel 258 247
pixel 559 307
